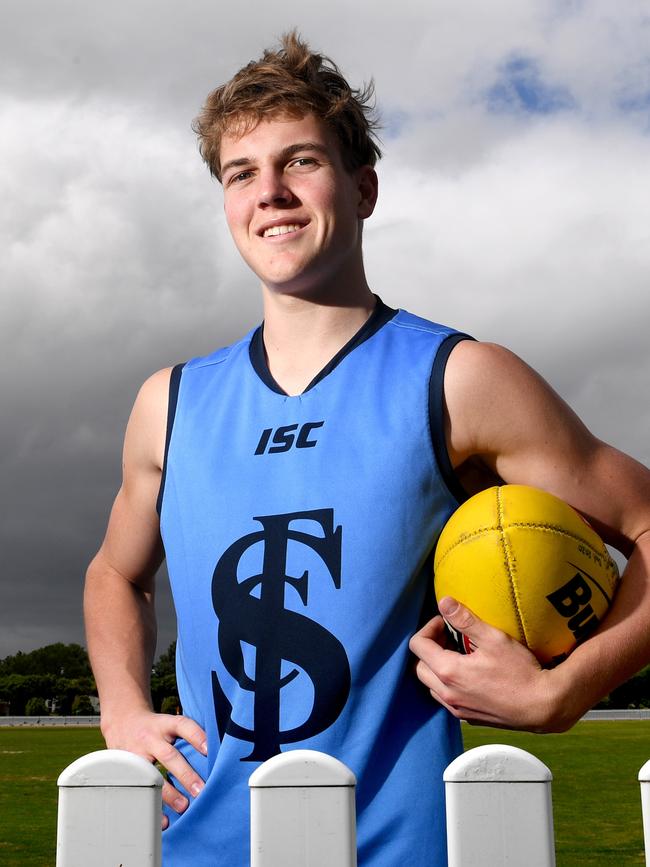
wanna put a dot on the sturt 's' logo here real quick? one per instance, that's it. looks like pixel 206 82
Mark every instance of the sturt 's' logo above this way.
pixel 252 613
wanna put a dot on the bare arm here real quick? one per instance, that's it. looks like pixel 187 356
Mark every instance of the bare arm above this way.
pixel 504 417
pixel 119 603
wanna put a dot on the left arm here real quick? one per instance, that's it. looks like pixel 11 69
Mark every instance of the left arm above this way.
pixel 503 415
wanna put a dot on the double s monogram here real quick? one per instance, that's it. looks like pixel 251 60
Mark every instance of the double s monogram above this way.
pixel 252 612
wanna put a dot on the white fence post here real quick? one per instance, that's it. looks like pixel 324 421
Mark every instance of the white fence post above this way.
pixel 499 809
pixel 110 805
pixel 303 812
pixel 644 780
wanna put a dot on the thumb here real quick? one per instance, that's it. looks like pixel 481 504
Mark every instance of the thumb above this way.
pixel 466 628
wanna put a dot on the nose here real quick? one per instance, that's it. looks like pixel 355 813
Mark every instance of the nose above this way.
pixel 273 188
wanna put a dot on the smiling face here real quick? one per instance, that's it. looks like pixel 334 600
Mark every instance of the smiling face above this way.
pixel 293 210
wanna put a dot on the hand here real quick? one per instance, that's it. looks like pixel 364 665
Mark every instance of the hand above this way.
pixel 152 735
pixel 500 684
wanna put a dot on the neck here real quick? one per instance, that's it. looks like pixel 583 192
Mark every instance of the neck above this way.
pixel 301 335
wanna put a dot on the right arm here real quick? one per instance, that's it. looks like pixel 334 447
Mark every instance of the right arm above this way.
pixel 119 604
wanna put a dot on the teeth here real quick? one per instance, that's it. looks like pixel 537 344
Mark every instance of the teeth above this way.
pixel 281 230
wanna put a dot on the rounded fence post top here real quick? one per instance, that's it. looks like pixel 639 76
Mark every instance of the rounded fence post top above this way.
pixel 644 773
pixel 301 768
pixel 110 768
pixel 497 763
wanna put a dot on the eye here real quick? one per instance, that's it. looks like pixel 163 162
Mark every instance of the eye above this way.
pixel 239 177
pixel 303 162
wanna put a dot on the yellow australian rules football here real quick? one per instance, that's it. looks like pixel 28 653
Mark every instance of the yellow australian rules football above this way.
pixel 526 562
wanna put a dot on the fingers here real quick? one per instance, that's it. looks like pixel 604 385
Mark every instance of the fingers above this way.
pixel 470 631
pixel 444 688
pixel 499 684
pixel 463 621
pixel 191 732
pixel 434 630
pixel 436 664
pixel 430 637
pixel 152 735
pixel 182 771
pixel 173 798
pixel 164 751
pixel 453 610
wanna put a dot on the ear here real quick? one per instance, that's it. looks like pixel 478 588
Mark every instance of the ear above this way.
pixel 368 188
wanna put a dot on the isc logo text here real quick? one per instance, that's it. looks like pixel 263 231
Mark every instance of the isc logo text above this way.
pixel 284 438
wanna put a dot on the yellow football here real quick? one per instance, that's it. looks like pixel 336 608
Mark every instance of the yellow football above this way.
pixel 526 562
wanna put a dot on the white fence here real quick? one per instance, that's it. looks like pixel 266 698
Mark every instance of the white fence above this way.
pixel 499 811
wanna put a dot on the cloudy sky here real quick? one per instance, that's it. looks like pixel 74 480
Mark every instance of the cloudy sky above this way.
pixel 514 205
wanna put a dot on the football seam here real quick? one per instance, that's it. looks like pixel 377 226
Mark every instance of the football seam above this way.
pixel 524 525
pixel 509 569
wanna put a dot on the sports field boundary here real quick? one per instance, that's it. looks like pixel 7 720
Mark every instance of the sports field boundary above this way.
pixel 641 713
pixel 85 721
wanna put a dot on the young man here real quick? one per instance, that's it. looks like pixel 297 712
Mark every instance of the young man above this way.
pixel 302 476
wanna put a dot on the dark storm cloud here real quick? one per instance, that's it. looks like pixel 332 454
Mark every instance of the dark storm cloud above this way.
pixel 527 228
pixel 115 265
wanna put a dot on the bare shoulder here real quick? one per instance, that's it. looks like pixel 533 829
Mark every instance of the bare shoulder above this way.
pixel 145 434
pixel 489 389
pixel 474 368
pixel 503 412
pixel 153 394
pixel 503 416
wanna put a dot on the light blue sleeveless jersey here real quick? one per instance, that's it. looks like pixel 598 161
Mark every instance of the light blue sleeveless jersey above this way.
pixel 298 533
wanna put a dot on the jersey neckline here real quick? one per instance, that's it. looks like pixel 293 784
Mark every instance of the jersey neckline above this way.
pixel 377 319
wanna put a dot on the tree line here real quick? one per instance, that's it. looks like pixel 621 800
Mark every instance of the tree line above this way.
pixel 58 679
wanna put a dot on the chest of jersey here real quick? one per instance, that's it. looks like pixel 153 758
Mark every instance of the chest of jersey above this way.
pixel 298 532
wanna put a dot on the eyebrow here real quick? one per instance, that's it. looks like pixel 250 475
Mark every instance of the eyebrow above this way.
pixel 284 154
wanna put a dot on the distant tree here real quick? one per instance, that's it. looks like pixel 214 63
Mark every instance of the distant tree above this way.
pixel 13 664
pixel 166 662
pixel 65 690
pixel 170 704
pixel 163 677
pixel 63 702
pixel 633 693
pixel 17 689
pixel 82 706
pixel 36 707
pixel 161 687
pixel 60 660
pixel 56 672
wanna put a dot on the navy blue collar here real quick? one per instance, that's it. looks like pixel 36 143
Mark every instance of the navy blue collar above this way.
pixel 378 318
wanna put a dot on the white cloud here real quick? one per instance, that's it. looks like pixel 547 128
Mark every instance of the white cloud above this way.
pixel 541 243
pixel 116 230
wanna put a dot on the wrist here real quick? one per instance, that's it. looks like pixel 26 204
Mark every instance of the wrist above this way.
pixel 562 701
pixel 114 714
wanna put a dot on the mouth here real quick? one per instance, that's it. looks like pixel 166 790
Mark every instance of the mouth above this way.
pixel 282 229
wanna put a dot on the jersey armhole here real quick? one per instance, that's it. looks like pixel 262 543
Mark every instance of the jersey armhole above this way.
pixel 437 415
pixel 174 385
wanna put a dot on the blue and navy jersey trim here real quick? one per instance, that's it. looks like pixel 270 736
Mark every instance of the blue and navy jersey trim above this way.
pixel 437 415
pixel 378 318
pixel 174 385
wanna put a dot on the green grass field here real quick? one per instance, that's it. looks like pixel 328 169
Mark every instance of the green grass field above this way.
pixel 31 759
pixel 595 791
